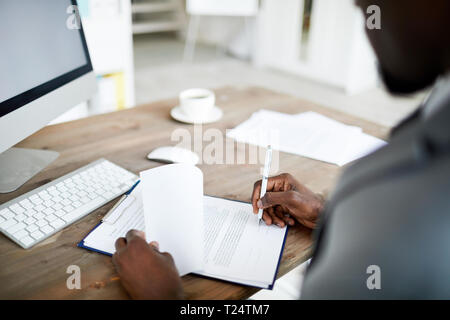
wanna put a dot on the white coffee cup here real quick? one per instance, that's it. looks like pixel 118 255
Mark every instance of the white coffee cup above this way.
pixel 197 103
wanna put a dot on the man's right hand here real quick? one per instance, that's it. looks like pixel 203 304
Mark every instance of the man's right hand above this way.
pixel 287 199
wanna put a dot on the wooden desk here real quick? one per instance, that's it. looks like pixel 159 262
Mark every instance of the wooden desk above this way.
pixel 125 138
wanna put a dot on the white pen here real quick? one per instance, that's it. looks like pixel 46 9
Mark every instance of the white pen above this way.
pixel 267 163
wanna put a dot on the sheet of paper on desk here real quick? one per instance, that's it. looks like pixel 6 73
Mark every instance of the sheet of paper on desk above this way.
pixel 307 134
pixel 173 210
pixel 237 247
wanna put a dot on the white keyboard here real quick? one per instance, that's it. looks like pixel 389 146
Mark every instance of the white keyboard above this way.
pixel 40 213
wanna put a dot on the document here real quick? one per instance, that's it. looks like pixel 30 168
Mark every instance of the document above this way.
pixel 209 236
pixel 173 211
pixel 237 247
pixel 127 214
pixel 308 134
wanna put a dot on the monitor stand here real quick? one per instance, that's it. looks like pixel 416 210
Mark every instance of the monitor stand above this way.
pixel 18 165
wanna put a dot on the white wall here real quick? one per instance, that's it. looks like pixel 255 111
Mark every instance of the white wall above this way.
pixel 339 54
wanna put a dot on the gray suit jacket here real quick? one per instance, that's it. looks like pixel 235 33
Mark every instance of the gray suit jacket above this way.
pixel 390 210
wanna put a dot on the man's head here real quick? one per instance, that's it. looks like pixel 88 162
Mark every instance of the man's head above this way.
pixel 412 46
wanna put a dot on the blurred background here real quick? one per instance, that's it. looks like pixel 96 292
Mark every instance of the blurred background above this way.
pixel 148 50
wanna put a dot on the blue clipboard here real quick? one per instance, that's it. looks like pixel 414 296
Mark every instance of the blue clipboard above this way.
pixel 81 245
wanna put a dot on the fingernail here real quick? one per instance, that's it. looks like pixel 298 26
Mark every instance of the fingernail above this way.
pixel 291 223
pixel 259 204
pixel 155 244
pixel 279 224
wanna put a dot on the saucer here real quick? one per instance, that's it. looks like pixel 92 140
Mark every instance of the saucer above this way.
pixel 214 115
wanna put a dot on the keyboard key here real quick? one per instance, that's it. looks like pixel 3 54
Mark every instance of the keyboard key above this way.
pixel 2 219
pixel 30 220
pixel 32 228
pixel 60 213
pixel 74 198
pixel 30 212
pixel 48 203
pixel 85 199
pixel 58 206
pixel 21 217
pixel 45 196
pixel 68 208
pixel 39 215
pixel 41 223
pixel 37 201
pixel 48 211
pixel 57 199
pixel 100 191
pixel 43 192
pixel 57 223
pixel 8 223
pixel 82 194
pixel 70 185
pixel 50 218
pixel 17 209
pixel 63 189
pixel 66 202
pixel 34 197
pixel 39 208
pixel 37 235
pixel 14 206
pixel 16 227
pixel 20 234
pixel 77 204
pixel 27 241
pixel 7 214
pixel 26 204
pixel 47 229
pixel 54 194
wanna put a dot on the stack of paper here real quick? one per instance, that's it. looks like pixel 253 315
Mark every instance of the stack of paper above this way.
pixel 307 134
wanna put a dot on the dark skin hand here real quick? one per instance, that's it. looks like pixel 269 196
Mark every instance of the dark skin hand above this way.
pixel 286 201
pixel 145 272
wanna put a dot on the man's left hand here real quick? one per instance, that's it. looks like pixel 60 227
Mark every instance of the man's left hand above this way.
pixel 144 271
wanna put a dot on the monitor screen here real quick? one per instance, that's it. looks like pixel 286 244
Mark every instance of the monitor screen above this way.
pixel 40 51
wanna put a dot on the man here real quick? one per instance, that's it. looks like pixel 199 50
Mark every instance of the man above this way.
pixel 385 232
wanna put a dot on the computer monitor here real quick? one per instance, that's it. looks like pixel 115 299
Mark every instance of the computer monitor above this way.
pixel 45 70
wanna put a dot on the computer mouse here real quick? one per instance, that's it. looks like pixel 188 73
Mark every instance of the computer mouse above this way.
pixel 171 154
